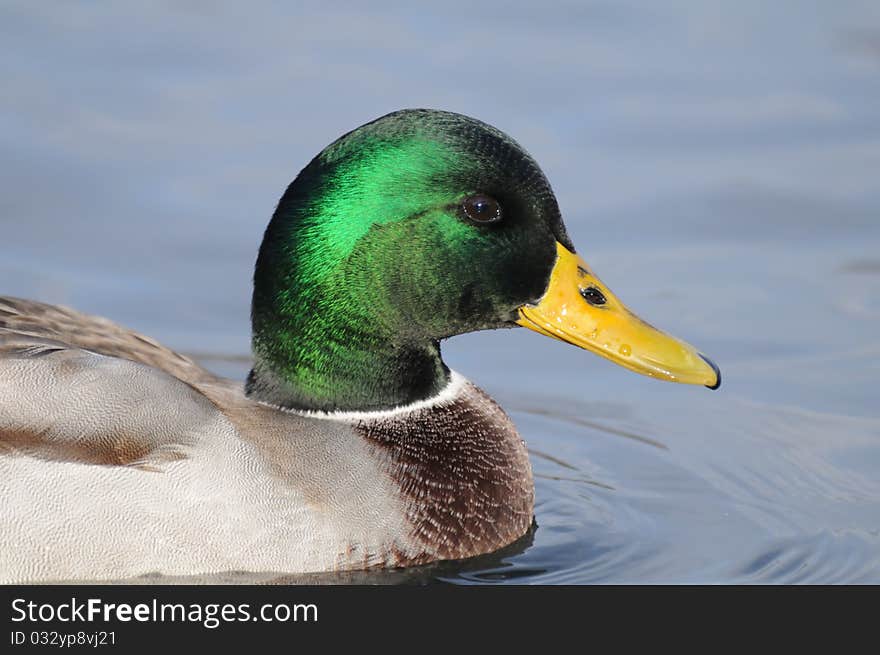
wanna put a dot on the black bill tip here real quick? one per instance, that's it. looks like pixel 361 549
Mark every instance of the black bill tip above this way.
pixel 714 368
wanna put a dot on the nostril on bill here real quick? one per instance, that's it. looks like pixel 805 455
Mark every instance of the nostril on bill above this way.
pixel 593 296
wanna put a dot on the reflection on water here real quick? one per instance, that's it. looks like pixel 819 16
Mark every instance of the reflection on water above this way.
pixel 867 266
pixel 716 164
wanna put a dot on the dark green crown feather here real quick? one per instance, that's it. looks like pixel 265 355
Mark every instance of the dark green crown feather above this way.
pixel 370 260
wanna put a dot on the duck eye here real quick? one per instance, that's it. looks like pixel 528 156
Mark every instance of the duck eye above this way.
pixel 482 209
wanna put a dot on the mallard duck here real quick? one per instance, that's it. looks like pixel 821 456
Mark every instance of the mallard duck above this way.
pixel 351 444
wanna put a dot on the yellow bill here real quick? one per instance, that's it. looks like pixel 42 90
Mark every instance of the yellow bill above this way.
pixel 578 309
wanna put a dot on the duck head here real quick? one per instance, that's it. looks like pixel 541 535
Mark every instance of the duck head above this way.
pixel 416 227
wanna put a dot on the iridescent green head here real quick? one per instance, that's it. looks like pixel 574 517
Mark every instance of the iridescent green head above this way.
pixel 415 227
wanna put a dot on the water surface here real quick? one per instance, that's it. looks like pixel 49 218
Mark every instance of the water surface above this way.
pixel 716 163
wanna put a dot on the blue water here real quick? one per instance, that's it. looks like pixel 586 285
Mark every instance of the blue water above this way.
pixel 716 163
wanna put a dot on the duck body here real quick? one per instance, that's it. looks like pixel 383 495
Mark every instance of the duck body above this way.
pixel 148 463
pixel 351 444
